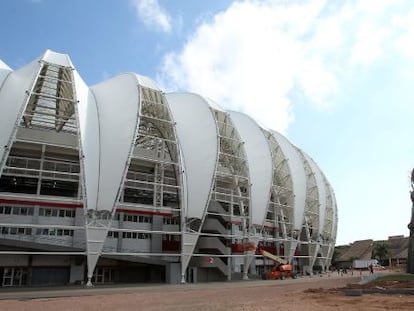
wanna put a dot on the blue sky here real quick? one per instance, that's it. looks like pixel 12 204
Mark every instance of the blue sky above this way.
pixel 334 76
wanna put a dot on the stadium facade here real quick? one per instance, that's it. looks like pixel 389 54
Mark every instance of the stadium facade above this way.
pixel 120 182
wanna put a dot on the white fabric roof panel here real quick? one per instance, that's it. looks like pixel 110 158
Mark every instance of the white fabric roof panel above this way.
pixel 57 59
pixel 147 82
pixel 198 139
pixel 321 190
pixel 118 107
pixel 335 214
pixel 298 175
pixel 213 104
pixel 259 159
pixel 89 136
pixel 4 73
pixel 13 99
pixel 3 65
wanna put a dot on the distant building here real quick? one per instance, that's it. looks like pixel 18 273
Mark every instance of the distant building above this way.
pixel 345 254
pixel 398 246
pixel 410 264
pixel 363 249
pixel 120 182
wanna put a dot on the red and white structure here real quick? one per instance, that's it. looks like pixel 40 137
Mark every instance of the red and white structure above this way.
pixel 120 182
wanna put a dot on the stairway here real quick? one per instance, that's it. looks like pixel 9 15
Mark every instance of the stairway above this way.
pixel 216 262
pixel 213 243
pixel 213 225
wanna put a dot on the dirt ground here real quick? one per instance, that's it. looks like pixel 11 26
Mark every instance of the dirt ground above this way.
pixel 316 293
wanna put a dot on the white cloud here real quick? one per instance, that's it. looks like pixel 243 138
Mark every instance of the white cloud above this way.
pixel 368 46
pixel 152 14
pixel 251 56
pixel 405 39
pixel 317 82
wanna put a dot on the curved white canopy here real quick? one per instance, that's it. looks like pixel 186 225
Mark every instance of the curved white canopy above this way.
pixel 213 104
pixel 13 99
pixel 13 92
pixel 197 133
pixel 146 82
pixel 335 214
pixel 298 175
pixel 57 59
pixel 260 164
pixel 3 76
pixel 3 65
pixel 4 72
pixel 118 107
pixel 89 137
pixel 322 195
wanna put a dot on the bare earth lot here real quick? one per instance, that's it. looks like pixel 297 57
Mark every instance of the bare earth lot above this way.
pixel 251 295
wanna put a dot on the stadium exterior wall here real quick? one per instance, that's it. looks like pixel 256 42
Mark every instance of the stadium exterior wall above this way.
pixel 120 182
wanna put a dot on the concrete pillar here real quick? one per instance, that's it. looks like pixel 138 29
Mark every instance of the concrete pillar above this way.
pixel 156 239
pixel 173 273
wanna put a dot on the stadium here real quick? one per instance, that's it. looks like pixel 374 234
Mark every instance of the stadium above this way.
pixel 120 182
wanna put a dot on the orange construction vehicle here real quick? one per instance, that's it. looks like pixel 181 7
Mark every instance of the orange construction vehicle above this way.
pixel 281 270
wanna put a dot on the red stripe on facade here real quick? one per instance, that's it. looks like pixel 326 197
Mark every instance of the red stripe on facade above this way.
pixel 122 210
pixel 41 203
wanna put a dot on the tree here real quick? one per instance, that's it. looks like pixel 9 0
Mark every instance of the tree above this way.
pixel 381 251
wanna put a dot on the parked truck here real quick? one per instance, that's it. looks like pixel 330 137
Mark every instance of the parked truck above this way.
pixel 364 263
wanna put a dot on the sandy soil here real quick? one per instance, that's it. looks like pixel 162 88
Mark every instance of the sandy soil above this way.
pixel 252 295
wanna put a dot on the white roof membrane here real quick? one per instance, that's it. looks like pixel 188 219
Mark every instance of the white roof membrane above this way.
pixel 4 66
pixel 213 104
pixel 57 58
pixel 197 134
pixel 4 73
pixel 335 214
pixel 89 136
pixel 322 195
pixel 118 107
pixel 259 160
pixel 13 99
pixel 298 175
pixel 147 82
